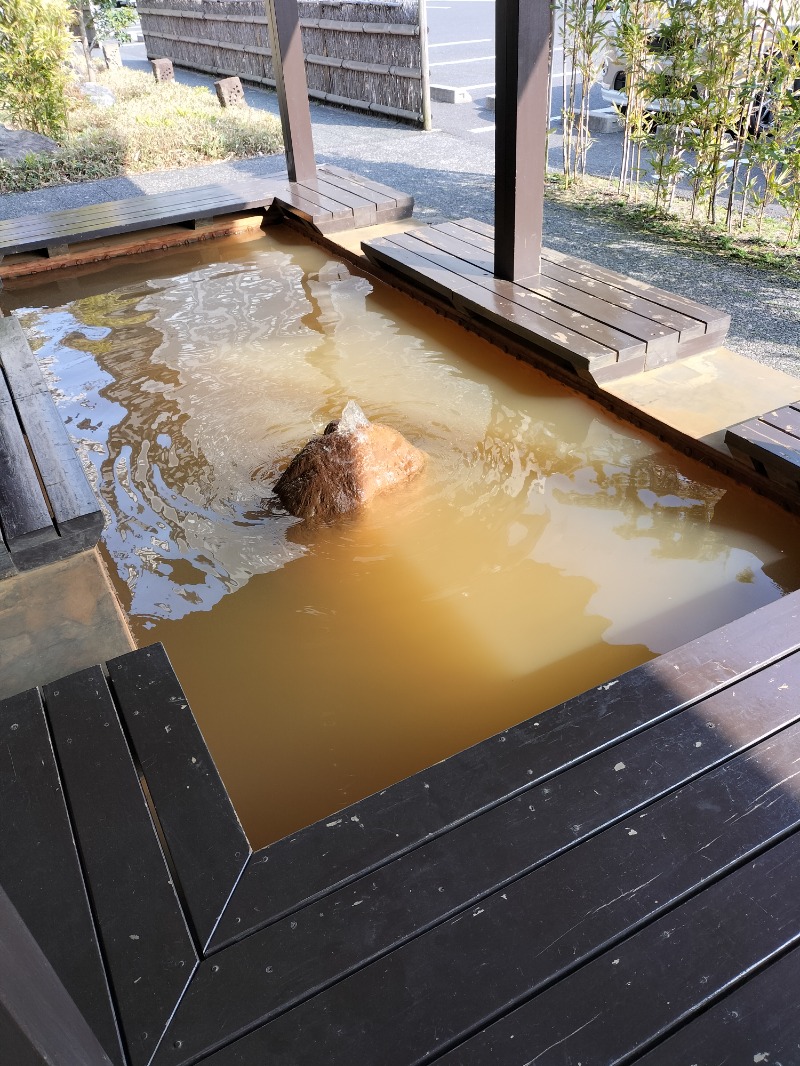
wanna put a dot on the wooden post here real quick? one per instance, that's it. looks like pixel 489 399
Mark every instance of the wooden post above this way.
pixel 425 68
pixel 288 66
pixel 39 1022
pixel 522 113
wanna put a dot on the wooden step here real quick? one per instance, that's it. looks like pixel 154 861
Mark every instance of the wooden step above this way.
pixel 593 320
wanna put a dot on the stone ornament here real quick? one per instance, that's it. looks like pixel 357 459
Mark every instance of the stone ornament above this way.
pixel 230 92
pixel 345 468
pixel 162 69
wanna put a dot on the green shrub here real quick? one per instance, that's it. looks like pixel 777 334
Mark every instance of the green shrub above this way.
pixel 86 157
pixel 35 44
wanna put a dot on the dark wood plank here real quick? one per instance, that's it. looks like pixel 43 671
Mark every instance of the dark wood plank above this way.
pixel 549 327
pixel 766 444
pixel 348 185
pixel 401 199
pixel 687 327
pixel 25 519
pixel 39 1024
pixel 353 926
pixel 206 842
pixel 612 1009
pixel 550 336
pixel 37 853
pixel 334 209
pixel 758 1022
pixel 168 204
pixel 362 211
pixel 125 216
pixel 71 498
pixel 289 198
pixel 337 850
pixel 660 339
pixel 716 321
pixel 787 420
pixel 203 197
pixel 148 949
pixel 449 982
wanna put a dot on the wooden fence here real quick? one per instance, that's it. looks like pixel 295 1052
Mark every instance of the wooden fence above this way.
pixel 370 56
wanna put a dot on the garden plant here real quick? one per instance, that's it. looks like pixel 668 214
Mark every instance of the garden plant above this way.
pixel 712 115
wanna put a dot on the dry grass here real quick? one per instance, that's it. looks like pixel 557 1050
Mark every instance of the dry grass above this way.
pixel 152 126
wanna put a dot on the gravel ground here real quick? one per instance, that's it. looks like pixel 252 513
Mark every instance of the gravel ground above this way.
pixel 453 178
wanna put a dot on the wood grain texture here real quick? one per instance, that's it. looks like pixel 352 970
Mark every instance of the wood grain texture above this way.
pixel 25 518
pixel 74 505
pixel 445 985
pixel 757 1022
pixel 628 323
pixel 148 949
pixel 636 993
pixel 206 842
pixel 555 330
pixel 686 326
pixel 37 852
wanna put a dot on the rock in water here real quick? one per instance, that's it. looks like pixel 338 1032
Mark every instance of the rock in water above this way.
pixel 346 467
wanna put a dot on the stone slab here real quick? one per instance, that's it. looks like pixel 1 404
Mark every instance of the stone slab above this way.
pixel 57 620
pixel 704 394
pixel 450 94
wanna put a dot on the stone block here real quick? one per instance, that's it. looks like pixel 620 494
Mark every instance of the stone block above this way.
pixel 230 92
pixel 162 69
pixel 111 53
pixel 450 94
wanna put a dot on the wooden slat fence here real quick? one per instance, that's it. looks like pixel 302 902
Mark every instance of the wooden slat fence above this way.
pixel 366 56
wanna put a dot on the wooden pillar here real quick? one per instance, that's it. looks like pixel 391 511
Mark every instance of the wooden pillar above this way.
pixel 39 1022
pixel 522 113
pixel 288 66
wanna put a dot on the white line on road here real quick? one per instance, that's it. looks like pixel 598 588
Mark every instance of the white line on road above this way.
pixel 453 62
pixel 469 88
pixel 454 44
pixel 482 129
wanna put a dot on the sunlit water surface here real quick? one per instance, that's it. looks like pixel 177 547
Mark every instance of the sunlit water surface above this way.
pixel 545 549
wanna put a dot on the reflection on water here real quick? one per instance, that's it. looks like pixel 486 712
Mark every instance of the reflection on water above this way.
pixel 544 549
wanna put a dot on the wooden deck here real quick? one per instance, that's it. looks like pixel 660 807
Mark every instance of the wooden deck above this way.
pixel 595 322
pixel 333 201
pixel 771 445
pixel 48 510
pixel 616 880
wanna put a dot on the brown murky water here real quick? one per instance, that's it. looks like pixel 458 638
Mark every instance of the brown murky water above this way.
pixel 545 548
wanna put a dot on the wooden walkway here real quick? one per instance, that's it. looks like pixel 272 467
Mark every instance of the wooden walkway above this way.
pixel 596 322
pixel 335 200
pixel 616 880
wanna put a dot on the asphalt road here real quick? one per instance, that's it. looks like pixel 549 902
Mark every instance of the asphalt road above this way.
pixel 461 55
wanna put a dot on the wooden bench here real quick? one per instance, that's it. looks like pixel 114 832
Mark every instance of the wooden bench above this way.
pixel 594 321
pixel 606 882
pixel 336 199
pixel 48 510
pixel 770 444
